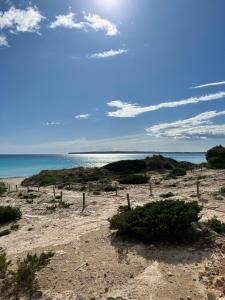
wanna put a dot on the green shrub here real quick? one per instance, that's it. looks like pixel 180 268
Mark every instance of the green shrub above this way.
pixel 165 220
pixel 127 166
pixel 134 179
pixel 167 195
pixel 22 280
pixel 216 225
pixel 5 232
pixel 216 157
pixel 109 188
pixel 178 172
pixel 222 191
pixel 8 213
pixel 3 188
pixel 3 264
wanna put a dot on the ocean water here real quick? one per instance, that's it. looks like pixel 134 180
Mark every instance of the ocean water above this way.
pixel 26 165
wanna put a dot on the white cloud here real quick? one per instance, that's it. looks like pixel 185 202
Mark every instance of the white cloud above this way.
pixel 199 126
pixel 209 84
pixel 21 20
pixel 110 53
pixel 128 110
pixel 84 116
pixel 52 123
pixel 3 41
pixel 90 21
pixel 98 23
pixel 67 21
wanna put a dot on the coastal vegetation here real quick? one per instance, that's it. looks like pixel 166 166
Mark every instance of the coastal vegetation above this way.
pixel 114 171
pixel 215 224
pixel 216 157
pixel 164 220
pixel 9 213
pixel 134 179
pixel 3 188
pixel 22 279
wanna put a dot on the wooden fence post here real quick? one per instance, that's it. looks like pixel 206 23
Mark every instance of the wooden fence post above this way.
pixel 150 188
pixel 54 191
pixel 84 204
pixel 116 188
pixel 61 197
pixel 16 187
pixel 198 188
pixel 128 201
pixel 38 188
pixel 9 188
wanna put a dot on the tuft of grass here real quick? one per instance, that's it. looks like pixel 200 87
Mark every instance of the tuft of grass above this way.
pixel 215 224
pixel 167 195
pixel 14 227
pixel 9 213
pixel 51 207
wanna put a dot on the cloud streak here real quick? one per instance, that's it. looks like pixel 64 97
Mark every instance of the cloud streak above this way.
pixel 80 117
pixel 209 84
pixel 108 54
pixel 52 123
pixel 130 110
pixel 92 21
pixel 198 127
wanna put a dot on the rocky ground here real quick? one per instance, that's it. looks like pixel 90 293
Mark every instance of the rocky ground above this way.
pixel 91 263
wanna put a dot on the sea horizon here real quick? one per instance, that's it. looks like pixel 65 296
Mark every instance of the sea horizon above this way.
pixel 24 165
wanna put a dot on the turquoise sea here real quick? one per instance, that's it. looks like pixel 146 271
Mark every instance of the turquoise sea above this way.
pixel 26 165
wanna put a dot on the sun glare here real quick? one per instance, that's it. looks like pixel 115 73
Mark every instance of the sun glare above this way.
pixel 108 4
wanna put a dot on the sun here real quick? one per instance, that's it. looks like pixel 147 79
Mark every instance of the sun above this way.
pixel 109 4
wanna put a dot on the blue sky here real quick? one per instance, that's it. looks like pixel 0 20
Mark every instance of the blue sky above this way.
pixel 111 75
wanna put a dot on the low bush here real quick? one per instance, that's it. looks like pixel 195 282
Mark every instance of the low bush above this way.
pixel 167 195
pixel 126 166
pixel 216 157
pixel 109 188
pixel 5 232
pixel 134 179
pixel 215 224
pixel 23 279
pixel 4 263
pixel 165 220
pixel 8 213
pixel 222 191
pixel 3 188
pixel 178 172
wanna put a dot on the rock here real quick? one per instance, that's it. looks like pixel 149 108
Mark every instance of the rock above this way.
pixel 169 274
pixel 189 298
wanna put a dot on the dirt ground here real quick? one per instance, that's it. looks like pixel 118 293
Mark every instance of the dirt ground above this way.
pixel 90 263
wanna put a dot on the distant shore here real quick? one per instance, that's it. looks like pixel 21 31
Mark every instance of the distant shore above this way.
pixel 135 152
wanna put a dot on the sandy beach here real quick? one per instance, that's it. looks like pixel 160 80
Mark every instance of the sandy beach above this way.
pixel 90 263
